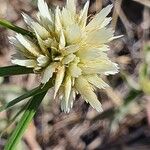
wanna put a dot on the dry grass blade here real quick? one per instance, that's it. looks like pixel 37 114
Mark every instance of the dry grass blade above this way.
pixel 119 12
pixel 117 6
pixel 98 5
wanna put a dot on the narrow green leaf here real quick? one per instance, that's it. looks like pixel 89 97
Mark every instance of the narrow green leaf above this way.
pixel 131 96
pixel 14 70
pixel 15 28
pixel 106 114
pixel 13 119
pixel 24 121
pixel 20 98
pixel 28 94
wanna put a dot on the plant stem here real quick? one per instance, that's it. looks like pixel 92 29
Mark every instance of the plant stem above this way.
pixel 14 70
pixel 24 121
pixel 15 28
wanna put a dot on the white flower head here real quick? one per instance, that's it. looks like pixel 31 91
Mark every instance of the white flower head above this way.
pixel 69 47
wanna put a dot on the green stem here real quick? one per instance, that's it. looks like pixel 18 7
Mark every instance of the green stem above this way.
pixel 14 70
pixel 24 122
pixel 35 91
pixel 15 28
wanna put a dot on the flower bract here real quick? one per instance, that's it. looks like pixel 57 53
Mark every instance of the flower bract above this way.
pixel 70 48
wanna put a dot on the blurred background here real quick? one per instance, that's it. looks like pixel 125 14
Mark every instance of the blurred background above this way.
pixel 125 122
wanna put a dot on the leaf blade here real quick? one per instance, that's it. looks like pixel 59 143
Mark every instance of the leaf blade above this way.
pixel 24 122
pixel 14 70
pixel 9 25
pixel 28 94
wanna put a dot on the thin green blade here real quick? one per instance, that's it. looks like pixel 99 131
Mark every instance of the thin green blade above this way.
pixel 28 94
pixel 24 121
pixel 9 25
pixel 13 119
pixel 14 70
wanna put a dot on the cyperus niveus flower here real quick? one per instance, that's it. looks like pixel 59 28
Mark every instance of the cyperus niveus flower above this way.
pixel 66 46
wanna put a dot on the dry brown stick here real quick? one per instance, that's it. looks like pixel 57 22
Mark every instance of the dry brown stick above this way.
pixel 146 24
pixel 98 5
pixel 116 11
pixel 125 21
pixel 115 96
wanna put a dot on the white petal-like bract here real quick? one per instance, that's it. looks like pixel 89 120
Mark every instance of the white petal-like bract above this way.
pixel 59 79
pixel 69 49
pixel 86 90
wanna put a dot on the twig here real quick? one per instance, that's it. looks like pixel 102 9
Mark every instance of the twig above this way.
pixel 124 19
pixel 115 13
pixel 98 5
